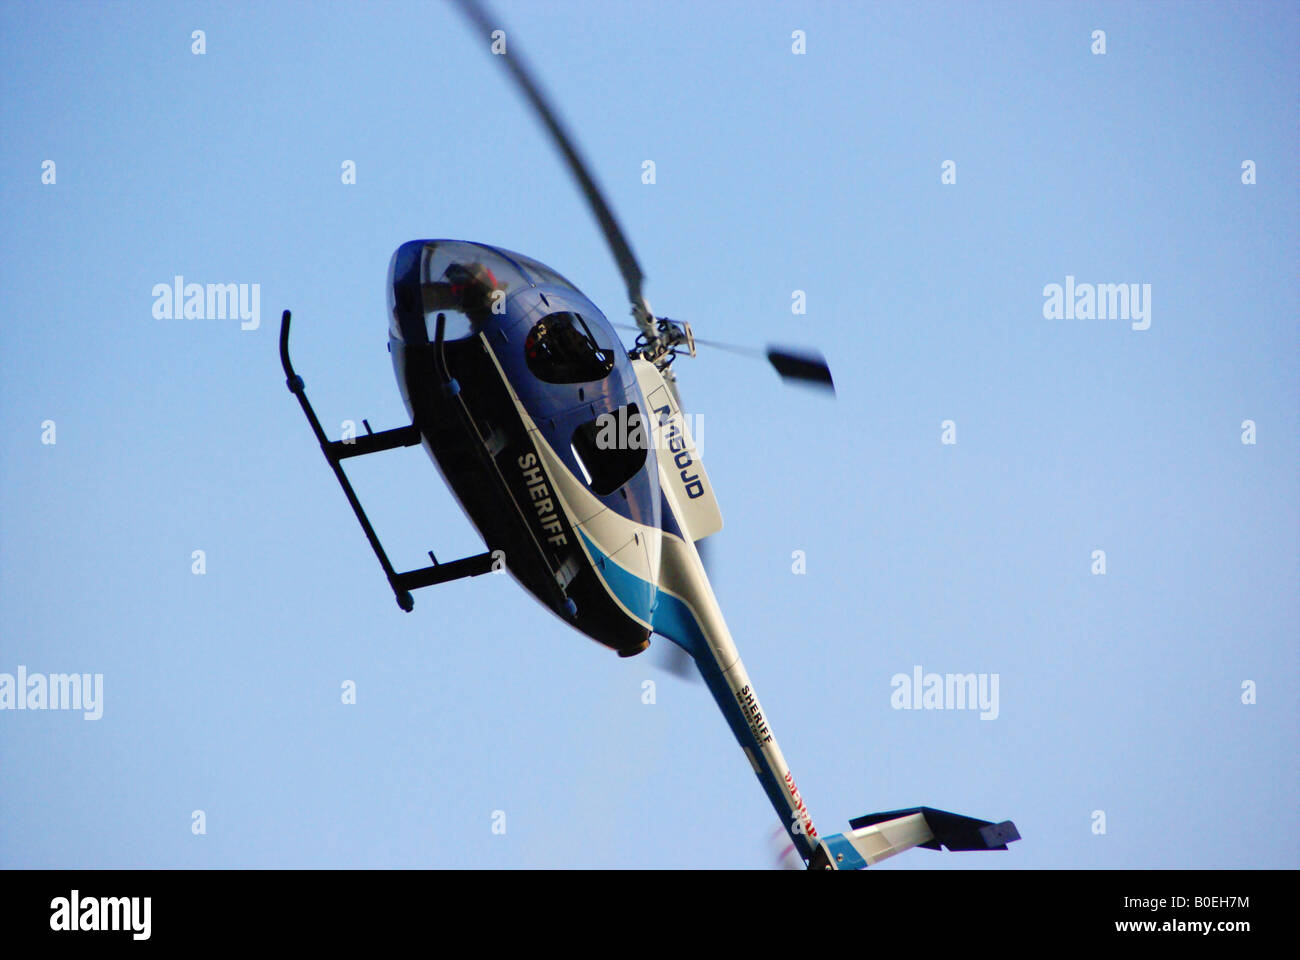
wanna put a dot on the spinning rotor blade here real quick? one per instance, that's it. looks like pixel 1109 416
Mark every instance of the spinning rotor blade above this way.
pixel 800 366
pixel 673 659
pixel 782 851
pixel 627 262
pixel 797 366
pixel 803 366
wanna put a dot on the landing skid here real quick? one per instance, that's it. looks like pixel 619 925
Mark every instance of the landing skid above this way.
pixel 336 451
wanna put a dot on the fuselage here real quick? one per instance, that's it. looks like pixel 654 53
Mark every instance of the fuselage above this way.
pixel 510 406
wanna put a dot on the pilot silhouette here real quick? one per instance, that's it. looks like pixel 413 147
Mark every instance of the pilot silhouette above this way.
pixel 467 287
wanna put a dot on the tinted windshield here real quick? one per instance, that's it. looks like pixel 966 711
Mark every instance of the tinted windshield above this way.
pixel 540 272
pixel 466 283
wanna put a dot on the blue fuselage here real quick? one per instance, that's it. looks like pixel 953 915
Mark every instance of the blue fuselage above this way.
pixel 524 360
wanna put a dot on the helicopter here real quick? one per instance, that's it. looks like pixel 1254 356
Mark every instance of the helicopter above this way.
pixel 573 459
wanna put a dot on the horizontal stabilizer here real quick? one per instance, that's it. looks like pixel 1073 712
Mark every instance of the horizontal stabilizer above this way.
pixel 880 835
pixel 951 830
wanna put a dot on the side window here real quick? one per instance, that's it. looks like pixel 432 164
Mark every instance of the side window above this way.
pixel 561 349
pixel 611 449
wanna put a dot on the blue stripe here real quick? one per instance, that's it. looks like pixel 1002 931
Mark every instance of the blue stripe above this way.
pixel 634 593
pixel 670 617
pixel 843 852
pixel 667 615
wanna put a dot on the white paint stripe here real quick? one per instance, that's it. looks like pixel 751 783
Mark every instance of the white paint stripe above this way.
pixel 609 530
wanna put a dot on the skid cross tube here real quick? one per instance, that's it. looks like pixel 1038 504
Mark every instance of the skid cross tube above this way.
pixel 336 451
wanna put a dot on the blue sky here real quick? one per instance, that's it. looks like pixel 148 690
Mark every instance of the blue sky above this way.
pixel 775 172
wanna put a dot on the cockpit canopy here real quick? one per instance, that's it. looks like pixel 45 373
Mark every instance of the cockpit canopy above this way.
pixel 467 283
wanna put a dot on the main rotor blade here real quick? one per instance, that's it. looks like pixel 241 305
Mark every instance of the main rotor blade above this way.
pixel 627 262
pixel 673 659
pixel 802 366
